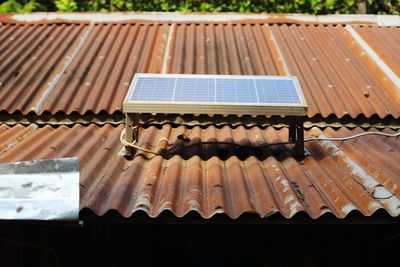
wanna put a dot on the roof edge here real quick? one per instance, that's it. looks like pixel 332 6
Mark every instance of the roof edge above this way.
pixel 379 20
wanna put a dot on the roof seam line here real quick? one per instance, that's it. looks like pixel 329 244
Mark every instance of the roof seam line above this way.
pixel 375 57
pixel 277 49
pixel 168 49
pixel 56 80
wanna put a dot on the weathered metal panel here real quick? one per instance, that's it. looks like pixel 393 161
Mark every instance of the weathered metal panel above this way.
pixel 40 190
pixel 337 177
pixel 385 42
pixel 335 77
pixel 31 56
pixel 338 76
pixel 103 69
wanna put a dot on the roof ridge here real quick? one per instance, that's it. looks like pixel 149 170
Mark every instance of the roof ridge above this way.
pixel 379 20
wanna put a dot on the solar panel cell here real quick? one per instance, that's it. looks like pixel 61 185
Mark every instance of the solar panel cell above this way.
pixel 194 90
pixel 156 89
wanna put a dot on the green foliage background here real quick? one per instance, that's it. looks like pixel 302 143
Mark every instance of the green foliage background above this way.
pixel 277 6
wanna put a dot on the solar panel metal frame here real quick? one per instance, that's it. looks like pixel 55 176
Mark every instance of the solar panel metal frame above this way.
pixel 218 108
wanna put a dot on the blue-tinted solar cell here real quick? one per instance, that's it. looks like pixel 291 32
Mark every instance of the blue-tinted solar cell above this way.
pixel 236 91
pixel 216 90
pixel 194 90
pixel 154 89
pixel 276 91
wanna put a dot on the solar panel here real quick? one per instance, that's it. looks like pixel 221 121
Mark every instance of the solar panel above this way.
pixel 215 94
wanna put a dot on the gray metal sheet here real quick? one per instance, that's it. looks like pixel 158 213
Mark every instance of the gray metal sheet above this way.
pixel 40 190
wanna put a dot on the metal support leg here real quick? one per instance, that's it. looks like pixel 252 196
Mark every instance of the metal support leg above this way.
pixel 131 121
pixel 299 145
pixel 292 129
pixel 129 135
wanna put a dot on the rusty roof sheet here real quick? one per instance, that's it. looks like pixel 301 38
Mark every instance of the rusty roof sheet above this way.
pixel 31 57
pixel 85 68
pixel 348 67
pixel 385 42
pixel 337 177
pixel 334 78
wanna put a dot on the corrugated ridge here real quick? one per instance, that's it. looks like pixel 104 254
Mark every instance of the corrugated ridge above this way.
pixel 337 177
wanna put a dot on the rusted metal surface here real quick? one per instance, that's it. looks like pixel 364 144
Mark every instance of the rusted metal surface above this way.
pixel 338 77
pixel 385 42
pixel 31 56
pixel 337 177
pixel 100 76
pixel 334 77
pixel 335 80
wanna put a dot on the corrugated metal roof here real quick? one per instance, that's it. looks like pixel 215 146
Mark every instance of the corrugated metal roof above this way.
pixel 337 177
pixel 54 65
pixel 337 77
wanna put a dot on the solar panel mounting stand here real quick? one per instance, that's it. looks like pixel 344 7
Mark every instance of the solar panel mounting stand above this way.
pixel 296 133
pixel 216 95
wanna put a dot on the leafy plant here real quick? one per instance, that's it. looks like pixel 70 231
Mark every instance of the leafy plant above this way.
pixel 66 5
pixel 13 6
